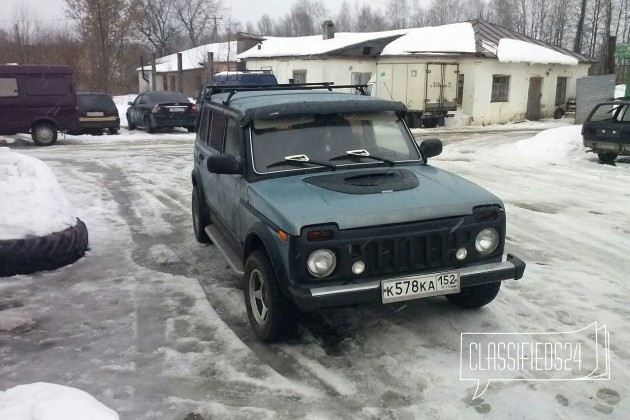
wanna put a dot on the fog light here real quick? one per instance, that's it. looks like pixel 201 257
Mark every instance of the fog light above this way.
pixel 358 267
pixel 461 253
pixel 321 263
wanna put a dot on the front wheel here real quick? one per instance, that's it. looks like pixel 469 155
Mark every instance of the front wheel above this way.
pixel 199 218
pixel 130 125
pixel 44 134
pixel 270 314
pixel 607 157
pixel 475 296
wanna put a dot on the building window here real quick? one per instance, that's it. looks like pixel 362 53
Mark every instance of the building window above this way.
pixel 8 87
pixel 561 90
pixel 359 78
pixel 500 88
pixel 299 76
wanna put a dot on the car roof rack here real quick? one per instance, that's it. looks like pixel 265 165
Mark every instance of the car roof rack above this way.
pixel 212 89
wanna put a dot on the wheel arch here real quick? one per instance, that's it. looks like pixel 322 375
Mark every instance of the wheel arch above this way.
pixel 44 120
pixel 260 236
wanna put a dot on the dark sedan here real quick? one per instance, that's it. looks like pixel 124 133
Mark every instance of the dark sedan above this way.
pixel 161 109
pixel 607 129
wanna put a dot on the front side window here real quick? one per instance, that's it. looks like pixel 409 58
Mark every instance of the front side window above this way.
pixel 233 140
pixel 328 138
pixel 500 88
pixel 217 130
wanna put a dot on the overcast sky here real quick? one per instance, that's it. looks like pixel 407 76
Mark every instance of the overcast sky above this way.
pixel 51 11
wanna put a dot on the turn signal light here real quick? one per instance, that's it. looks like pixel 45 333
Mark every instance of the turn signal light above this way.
pixel 319 234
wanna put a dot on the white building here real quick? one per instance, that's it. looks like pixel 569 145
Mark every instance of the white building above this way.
pixel 488 72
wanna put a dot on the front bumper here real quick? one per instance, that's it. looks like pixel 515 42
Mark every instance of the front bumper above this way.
pixel 308 299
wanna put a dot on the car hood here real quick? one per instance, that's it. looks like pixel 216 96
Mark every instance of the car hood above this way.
pixel 293 202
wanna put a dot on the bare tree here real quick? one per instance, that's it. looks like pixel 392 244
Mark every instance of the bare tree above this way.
pixel 157 25
pixel 265 25
pixel 23 32
pixel 104 25
pixel 199 19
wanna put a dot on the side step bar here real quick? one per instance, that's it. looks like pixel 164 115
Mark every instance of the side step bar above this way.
pixel 221 243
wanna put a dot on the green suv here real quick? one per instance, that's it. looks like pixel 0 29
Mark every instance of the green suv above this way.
pixel 322 199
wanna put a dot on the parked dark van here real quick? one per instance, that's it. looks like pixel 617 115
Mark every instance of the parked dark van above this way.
pixel 40 100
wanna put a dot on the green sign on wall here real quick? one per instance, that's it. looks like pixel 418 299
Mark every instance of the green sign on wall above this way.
pixel 622 50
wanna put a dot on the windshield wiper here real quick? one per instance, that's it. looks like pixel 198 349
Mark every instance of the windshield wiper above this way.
pixel 362 153
pixel 300 160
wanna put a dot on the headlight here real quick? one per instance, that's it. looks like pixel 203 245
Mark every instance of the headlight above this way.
pixel 487 241
pixel 321 263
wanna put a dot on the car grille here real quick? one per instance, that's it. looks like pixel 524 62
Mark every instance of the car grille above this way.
pixel 402 254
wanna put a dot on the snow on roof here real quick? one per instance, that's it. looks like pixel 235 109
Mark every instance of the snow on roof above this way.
pixel 195 57
pixel 312 45
pixel 515 51
pixel 457 37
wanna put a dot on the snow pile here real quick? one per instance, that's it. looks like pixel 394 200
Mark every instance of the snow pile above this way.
pixel 459 119
pixel 196 57
pixel 33 203
pixel 553 143
pixel 44 401
pixel 620 91
pixel 457 37
pixel 515 51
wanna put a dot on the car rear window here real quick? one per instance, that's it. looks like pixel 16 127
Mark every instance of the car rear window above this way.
pixel 168 97
pixel 96 102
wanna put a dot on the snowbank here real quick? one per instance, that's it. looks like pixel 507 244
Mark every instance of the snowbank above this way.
pixel 620 91
pixel 44 401
pixel 457 37
pixel 516 51
pixel 553 143
pixel 33 203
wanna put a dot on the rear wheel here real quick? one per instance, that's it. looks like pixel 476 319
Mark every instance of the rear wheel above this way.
pixel 475 296
pixel 199 218
pixel 191 129
pixel 430 123
pixel 607 157
pixel 270 314
pixel 558 113
pixel 44 134
pixel 113 131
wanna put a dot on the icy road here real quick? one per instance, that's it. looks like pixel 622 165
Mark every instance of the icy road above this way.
pixel 153 324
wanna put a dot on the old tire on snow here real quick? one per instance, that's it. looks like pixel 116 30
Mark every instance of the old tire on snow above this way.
pixel 475 296
pixel 35 253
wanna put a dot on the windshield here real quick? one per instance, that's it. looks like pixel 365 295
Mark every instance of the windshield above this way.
pixel 329 138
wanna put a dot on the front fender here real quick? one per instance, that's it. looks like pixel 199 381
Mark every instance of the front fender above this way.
pixel 262 235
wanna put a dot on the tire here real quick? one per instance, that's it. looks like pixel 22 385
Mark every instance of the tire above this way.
pixel 199 218
pixel 475 296
pixel 25 256
pixel 430 123
pixel 44 134
pixel 558 113
pixel 147 124
pixel 130 125
pixel 271 316
pixel 113 131
pixel 191 129
pixel 607 157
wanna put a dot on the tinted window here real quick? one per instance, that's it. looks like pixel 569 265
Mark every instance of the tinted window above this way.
pixel 49 85
pixel 233 141
pixel 96 102
pixel 168 97
pixel 216 132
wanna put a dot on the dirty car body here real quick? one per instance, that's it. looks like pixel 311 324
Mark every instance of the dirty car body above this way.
pixel 606 130
pixel 323 199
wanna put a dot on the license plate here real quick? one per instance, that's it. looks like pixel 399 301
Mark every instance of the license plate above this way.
pixel 415 287
pixel 177 109
pixel 94 114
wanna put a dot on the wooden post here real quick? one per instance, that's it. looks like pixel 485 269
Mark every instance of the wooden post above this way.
pixel 153 76
pixel 180 73
pixel 209 67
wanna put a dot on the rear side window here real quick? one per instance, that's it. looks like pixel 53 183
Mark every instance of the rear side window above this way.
pixel 8 87
pixel 233 141
pixel 204 122
pixel 48 85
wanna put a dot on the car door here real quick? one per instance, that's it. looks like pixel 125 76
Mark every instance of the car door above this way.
pixel 222 192
pixel 135 109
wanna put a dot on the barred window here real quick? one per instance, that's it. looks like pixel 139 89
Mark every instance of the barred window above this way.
pixel 299 76
pixel 500 88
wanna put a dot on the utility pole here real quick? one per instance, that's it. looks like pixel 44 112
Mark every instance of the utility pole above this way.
pixel 214 28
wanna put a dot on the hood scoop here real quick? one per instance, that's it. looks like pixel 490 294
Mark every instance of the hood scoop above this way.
pixel 366 181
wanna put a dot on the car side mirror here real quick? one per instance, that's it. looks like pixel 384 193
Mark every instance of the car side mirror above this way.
pixel 130 103
pixel 223 164
pixel 431 147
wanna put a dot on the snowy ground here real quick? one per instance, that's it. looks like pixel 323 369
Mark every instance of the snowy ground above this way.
pixel 153 324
